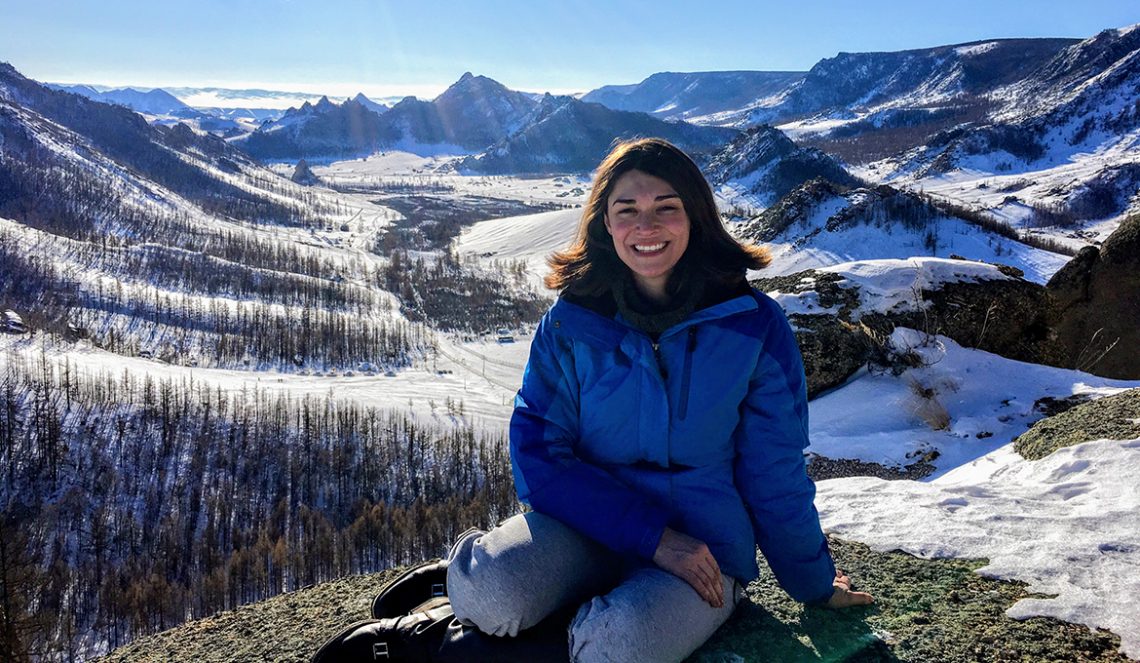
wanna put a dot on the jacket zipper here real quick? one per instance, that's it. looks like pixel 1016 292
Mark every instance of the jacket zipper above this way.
pixel 685 377
pixel 657 356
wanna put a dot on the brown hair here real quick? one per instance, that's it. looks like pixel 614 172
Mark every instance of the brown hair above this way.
pixel 590 265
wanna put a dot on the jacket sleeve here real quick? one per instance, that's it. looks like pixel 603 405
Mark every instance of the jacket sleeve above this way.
pixel 770 471
pixel 550 478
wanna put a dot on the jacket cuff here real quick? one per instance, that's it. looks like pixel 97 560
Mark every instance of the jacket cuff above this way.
pixel 655 528
pixel 821 600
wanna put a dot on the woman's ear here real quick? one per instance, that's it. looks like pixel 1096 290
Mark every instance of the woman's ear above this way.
pixel 606 220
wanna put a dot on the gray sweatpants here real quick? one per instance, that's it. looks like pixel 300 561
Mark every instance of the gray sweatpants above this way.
pixel 510 578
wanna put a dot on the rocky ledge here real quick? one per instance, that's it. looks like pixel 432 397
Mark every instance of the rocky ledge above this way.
pixel 1110 418
pixel 925 611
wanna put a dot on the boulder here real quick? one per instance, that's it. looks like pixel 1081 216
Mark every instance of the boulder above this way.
pixel 1095 308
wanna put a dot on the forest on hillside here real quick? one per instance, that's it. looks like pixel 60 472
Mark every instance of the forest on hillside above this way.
pixel 132 504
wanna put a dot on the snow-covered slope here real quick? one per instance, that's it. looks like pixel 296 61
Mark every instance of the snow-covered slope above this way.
pixel 523 238
pixel 853 84
pixel 1062 145
pixel 1068 525
pixel 698 97
pixel 820 224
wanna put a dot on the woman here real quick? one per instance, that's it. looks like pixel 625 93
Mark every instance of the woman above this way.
pixel 658 437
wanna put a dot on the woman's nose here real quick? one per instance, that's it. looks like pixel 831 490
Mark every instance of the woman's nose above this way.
pixel 647 220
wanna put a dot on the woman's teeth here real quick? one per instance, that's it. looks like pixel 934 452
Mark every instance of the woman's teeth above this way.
pixel 648 248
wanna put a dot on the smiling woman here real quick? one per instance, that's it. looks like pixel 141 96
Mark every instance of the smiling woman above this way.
pixel 658 437
pixel 644 192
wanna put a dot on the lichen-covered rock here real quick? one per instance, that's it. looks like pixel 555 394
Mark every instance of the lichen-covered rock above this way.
pixel 1111 418
pixel 924 611
pixel 832 347
pixel 1008 318
pixel 289 627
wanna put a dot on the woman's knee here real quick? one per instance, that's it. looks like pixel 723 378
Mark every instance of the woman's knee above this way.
pixel 512 577
pixel 480 588
pixel 652 616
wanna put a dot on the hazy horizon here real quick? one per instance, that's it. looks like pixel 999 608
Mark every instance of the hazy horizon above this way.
pixel 389 49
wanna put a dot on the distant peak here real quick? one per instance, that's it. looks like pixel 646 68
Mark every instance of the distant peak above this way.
pixel 466 76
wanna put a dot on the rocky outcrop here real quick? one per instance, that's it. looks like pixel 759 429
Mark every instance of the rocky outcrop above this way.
pixel 1085 318
pixel 1003 314
pixel 303 174
pixel 1096 305
pixel 766 162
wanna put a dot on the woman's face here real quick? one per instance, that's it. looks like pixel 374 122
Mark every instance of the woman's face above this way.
pixel 650 229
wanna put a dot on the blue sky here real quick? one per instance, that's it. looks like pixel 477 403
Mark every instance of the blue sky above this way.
pixel 386 48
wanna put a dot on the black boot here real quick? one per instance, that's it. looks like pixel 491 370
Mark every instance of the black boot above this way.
pixel 411 638
pixel 545 642
pixel 411 588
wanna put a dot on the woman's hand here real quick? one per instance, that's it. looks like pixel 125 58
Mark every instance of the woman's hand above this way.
pixel 690 560
pixel 843 597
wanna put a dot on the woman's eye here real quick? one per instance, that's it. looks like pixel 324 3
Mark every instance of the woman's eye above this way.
pixel 667 208
pixel 627 211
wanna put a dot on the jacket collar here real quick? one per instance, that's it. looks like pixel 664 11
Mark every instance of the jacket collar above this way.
pixel 596 319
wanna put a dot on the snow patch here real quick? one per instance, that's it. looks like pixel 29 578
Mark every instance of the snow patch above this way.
pixel 976 49
pixel 1067 525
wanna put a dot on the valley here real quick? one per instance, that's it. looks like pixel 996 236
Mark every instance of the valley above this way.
pixel 234 377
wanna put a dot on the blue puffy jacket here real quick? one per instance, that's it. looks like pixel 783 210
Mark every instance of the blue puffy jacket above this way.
pixel 702 431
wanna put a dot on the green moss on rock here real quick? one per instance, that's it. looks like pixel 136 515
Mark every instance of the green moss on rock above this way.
pixel 1111 418
pixel 924 611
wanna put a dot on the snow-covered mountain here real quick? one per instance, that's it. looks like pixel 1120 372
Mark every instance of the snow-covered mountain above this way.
pixel 1084 98
pixel 1059 148
pixel 699 97
pixel 153 102
pixel 765 164
pixel 373 106
pixel 320 130
pixel 509 131
pixel 471 114
pixel 476 111
pixel 564 134
pixel 937 79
